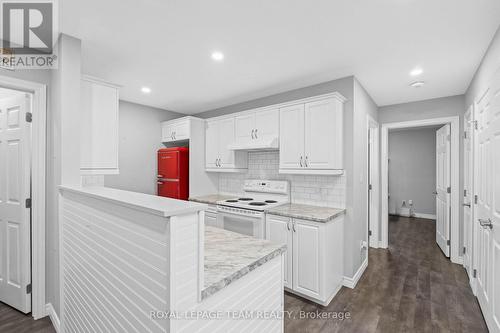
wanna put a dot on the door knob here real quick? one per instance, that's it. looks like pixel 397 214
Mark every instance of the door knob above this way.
pixel 486 223
pixel 435 193
pixel 466 205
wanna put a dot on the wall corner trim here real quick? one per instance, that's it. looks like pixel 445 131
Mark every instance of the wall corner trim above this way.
pixel 54 318
pixel 352 282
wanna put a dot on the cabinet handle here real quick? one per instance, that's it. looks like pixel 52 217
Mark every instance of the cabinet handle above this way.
pixel 301 162
pixel 175 135
pixel 256 133
pixel 216 160
pixel 288 225
pixel 252 134
pixel 293 226
pixel 306 162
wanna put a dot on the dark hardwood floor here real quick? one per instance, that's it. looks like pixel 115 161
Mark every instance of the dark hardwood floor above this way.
pixel 410 287
pixel 13 321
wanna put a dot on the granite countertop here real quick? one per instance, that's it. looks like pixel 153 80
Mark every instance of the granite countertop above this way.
pixel 306 212
pixel 152 204
pixel 230 256
pixel 212 199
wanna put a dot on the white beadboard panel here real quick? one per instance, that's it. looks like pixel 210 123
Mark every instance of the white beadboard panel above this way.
pixel 115 269
pixel 328 191
pixel 259 291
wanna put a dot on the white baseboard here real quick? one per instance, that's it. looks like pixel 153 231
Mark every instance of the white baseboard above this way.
pixel 54 318
pixel 352 282
pixel 425 216
pixel 459 260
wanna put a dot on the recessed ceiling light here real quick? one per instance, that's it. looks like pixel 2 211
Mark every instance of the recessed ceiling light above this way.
pixel 417 84
pixel 146 90
pixel 218 56
pixel 416 71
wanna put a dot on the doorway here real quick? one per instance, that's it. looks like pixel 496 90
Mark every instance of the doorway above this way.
pixel 22 195
pixel 448 236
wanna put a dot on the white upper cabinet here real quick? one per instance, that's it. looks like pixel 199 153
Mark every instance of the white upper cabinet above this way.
pixel 292 137
pixel 175 130
pixel 99 127
pixel 311 137
pixel 256 130
pixel 220 133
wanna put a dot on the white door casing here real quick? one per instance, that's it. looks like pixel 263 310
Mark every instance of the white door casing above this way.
pixel 487 221
pixel 443 189
pixel 15 219
pixel 468 199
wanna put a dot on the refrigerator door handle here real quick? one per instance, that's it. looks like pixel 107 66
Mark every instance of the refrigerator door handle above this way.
pixel 159 183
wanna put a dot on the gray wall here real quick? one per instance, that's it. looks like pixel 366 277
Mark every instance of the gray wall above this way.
pixel 358 105
pixel 412 169
pixel 140 138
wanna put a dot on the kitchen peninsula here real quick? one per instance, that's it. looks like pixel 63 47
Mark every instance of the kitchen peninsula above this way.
pixel 137 262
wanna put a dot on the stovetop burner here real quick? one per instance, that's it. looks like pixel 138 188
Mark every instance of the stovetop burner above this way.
pixel 245 199
pixel 270 201
pixel 257 203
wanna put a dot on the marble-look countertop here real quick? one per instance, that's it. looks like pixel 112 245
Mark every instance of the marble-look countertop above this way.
pixel 230 256
pixel 306 212
pixel 212 199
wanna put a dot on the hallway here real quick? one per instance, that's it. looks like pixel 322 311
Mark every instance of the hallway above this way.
pixel 412 287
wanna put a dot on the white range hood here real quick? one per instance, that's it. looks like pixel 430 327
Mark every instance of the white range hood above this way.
pixel 260 144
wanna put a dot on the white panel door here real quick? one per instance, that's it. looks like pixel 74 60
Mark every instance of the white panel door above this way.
pixel 306 258
pixel 442 188
pixel 267 124
pixel 488 206
pixel 244 128
pixel 211 144
pixel 323 134
pixel 468 196
pixel 279 230
pixel 226 138
pixel 292 137
pixel 15 266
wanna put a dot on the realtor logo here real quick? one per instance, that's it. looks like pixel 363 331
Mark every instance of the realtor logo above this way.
pixel 27 27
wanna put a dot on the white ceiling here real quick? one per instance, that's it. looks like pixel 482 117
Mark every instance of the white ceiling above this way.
pixel 274 46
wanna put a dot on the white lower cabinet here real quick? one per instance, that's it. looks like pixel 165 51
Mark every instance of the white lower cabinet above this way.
pixel 211 217
pixel 314 257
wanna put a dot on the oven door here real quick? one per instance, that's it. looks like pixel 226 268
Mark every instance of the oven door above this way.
pixel 250 225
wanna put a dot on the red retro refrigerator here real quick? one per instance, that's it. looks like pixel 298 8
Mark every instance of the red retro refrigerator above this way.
pixel 173 173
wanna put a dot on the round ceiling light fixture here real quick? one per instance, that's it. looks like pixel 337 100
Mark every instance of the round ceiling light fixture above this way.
pixel 416 71
pixel 217 56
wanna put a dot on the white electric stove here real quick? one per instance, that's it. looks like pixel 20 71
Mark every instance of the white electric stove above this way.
pixel 246 214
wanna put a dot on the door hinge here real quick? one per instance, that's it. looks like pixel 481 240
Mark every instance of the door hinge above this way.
pixel 28 289
pixel 464 250
pixel 465 135
pixel 369 232
pixel 370 187
pixel 475 199
pixel 475 124
pixel 474 273
pixel 465 193
pixel 28 203
pixel 448 242
pixel 448 189
pixel 29 117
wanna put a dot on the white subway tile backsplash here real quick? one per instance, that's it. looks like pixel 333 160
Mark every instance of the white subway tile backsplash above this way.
pixel 326 191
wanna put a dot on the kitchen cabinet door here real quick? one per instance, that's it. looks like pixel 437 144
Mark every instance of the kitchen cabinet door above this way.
pixel 226 137
pixel 99 130
pixel 292 137
pixel 167 132
pixel 278 230
pixel 306 258
pixel 267 124
pixel 244 126
pixel 211 144
pixel 181 130
pixel 323 134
